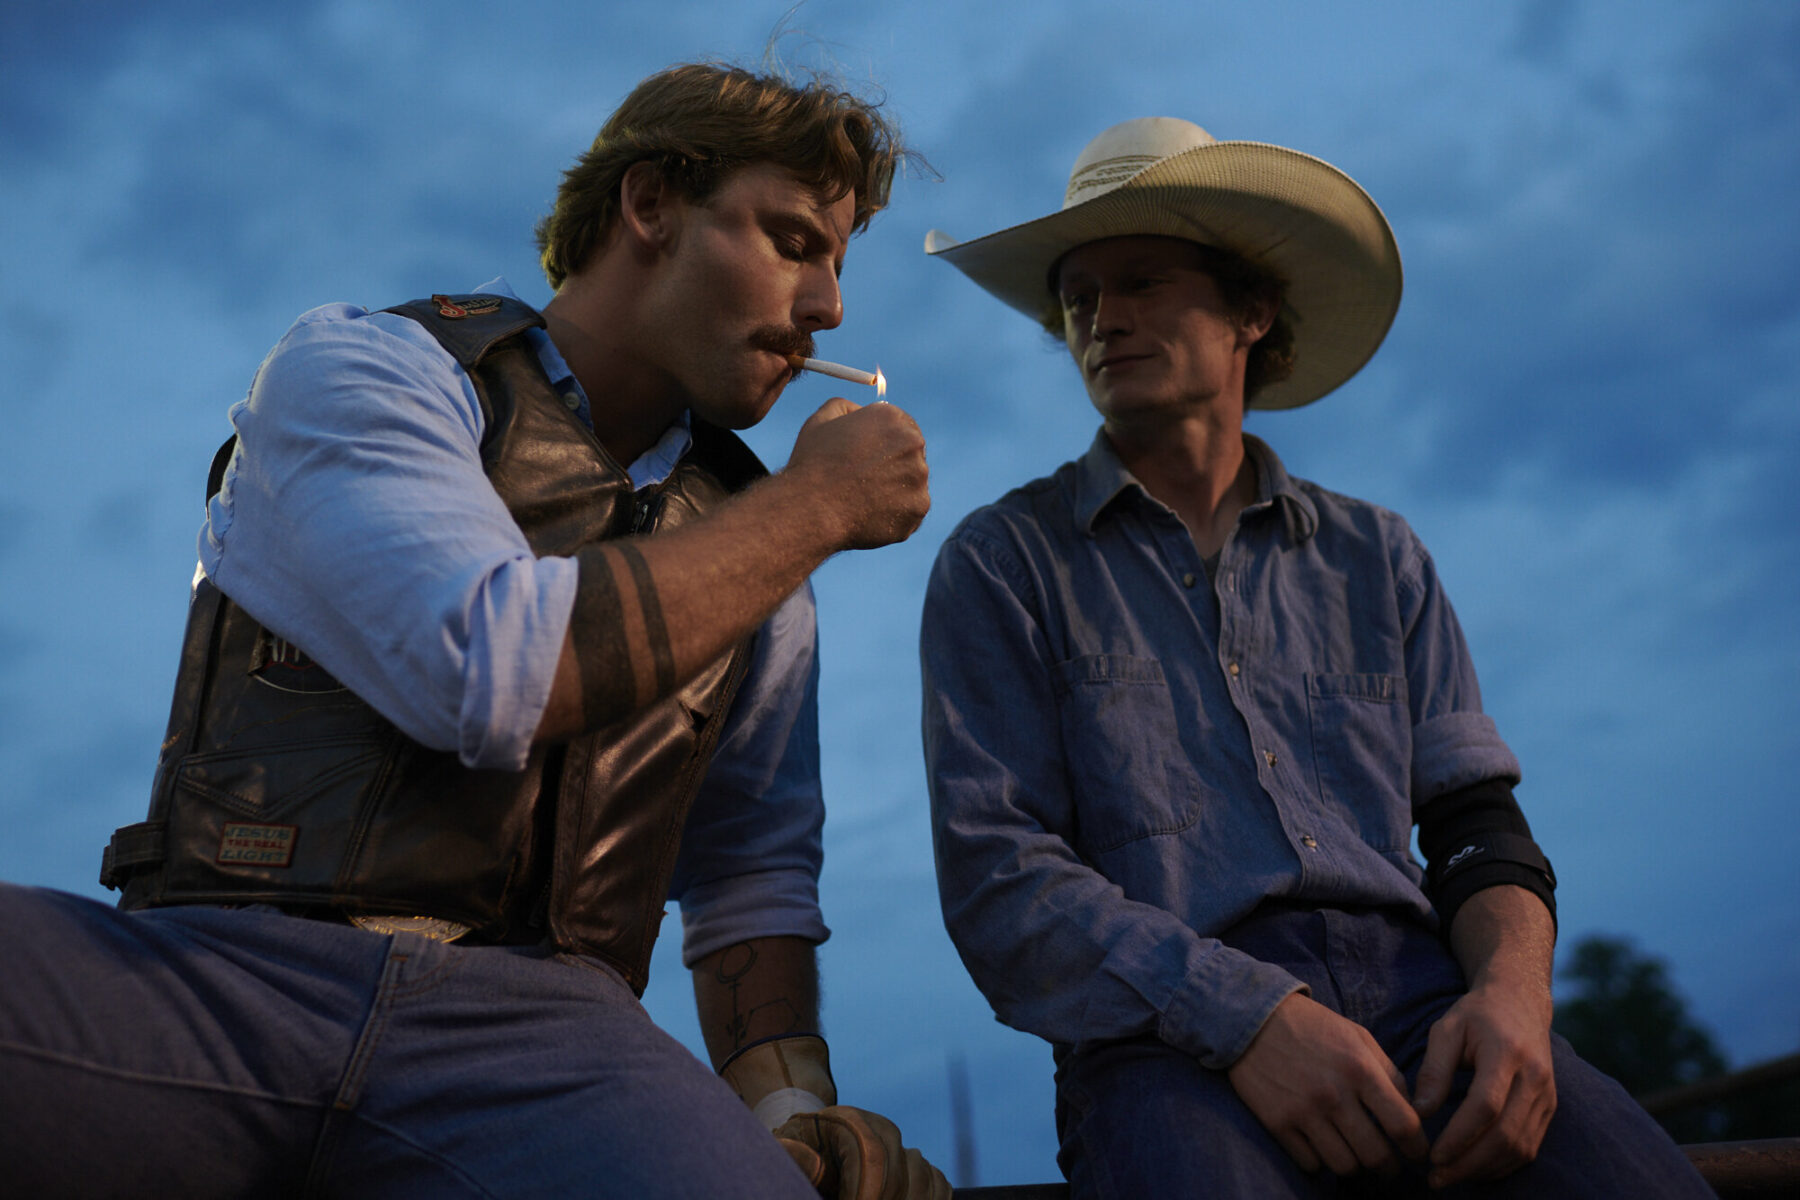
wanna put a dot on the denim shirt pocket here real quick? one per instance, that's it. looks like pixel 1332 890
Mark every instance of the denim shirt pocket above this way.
pixel 1362 751
pixel 1128 774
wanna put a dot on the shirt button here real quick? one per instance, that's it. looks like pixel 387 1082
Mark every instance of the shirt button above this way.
pixel 1270 756
pixel 571 401
pixel 1187 580
pixel 1233 668
pixel 1310 842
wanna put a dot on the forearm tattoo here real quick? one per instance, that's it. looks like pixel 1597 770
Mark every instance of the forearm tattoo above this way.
pixel 621 641
pixel 655 632
pixel 772 1017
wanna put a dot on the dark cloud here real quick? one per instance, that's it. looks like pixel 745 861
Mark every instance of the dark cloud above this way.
pixel 34 347
pixel 281 178
pixel 1596 309
pixel 55 57
pixel 1543 28
pixel 333 152
pixel 1008 142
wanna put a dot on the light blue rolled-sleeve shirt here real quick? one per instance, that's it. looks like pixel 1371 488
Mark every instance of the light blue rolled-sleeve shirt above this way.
pixel 355 521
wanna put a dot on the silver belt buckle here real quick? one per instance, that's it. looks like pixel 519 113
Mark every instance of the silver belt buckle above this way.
pixel 435 928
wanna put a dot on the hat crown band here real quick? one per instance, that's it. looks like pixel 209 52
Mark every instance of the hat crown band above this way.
pixel 1125 151
pixel 1093 179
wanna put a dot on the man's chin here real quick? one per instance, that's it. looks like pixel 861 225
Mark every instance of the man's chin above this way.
pixel 739 412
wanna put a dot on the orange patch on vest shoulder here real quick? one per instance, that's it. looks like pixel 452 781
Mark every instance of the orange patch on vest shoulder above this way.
pixel 458 307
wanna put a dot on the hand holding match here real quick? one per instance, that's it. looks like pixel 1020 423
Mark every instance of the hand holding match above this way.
pixel 874 379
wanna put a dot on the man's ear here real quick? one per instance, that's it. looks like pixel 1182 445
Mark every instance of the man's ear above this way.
pixel 1259 316
pixel 649 209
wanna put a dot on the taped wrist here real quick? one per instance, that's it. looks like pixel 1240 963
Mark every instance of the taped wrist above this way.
pixel 616 627
pixel 1476 838
pixel 781 1076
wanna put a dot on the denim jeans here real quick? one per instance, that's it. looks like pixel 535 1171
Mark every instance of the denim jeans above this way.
pixel 203 1052
pixel 1139 1119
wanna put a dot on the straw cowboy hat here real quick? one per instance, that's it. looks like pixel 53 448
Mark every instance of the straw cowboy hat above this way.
pixel 1289 212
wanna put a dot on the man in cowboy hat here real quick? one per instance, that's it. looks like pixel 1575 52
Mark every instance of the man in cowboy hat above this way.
pixel 1183 710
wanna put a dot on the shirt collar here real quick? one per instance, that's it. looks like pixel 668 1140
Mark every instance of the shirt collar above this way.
pixel 1100 479
pixel 649 468
pixel 1275 486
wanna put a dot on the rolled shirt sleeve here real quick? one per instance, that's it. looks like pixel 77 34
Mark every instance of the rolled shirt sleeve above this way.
pixel 355 521
pixel 753 847
pixel 1454 743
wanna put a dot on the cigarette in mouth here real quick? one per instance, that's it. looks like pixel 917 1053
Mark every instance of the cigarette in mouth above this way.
pixel 874 379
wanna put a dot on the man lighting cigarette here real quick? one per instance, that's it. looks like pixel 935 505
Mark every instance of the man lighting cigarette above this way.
pixel 502 640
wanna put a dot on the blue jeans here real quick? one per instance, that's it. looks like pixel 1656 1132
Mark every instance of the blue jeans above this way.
pixel 1140 1119
pixel 203 1052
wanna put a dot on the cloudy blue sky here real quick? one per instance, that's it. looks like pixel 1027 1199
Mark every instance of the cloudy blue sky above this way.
pixel 1587 405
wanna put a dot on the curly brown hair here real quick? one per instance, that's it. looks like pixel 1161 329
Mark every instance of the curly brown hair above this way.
pixel 1242 283
pixel 698 122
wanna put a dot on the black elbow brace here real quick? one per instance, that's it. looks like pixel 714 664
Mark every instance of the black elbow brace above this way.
pixel 1476 838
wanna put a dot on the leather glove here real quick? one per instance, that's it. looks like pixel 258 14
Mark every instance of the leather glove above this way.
pixel 782 1076
pixel 851 1154
pixel 847 1153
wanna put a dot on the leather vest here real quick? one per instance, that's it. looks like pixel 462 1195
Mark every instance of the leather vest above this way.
pixel 278 785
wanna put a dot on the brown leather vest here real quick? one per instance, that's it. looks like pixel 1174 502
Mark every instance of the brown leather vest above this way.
pixel 277 785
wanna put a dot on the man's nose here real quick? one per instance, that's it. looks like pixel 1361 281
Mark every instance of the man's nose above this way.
pixel 820 304
pixel 1111 317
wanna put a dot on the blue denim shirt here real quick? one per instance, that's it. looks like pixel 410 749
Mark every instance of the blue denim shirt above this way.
pixel 1125 761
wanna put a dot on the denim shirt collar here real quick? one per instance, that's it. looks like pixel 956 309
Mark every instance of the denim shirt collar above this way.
pixel 1101 479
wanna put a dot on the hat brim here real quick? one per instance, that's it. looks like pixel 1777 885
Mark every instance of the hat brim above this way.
pixel 1295 214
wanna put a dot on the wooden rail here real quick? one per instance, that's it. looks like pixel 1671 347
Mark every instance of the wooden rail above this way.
pixel 1721 1087
pixel 1736 1170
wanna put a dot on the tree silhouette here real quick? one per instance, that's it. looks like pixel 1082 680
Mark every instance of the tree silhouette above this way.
pixel 1626 1018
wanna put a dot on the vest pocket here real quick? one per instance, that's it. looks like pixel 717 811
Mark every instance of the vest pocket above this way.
pixel 1128 774
pixel 269 783
pixel 284 816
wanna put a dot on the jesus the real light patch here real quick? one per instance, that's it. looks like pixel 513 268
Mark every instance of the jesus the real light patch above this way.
pixel 258 845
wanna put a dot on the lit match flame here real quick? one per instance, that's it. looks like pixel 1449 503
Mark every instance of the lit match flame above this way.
pixel 874 379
